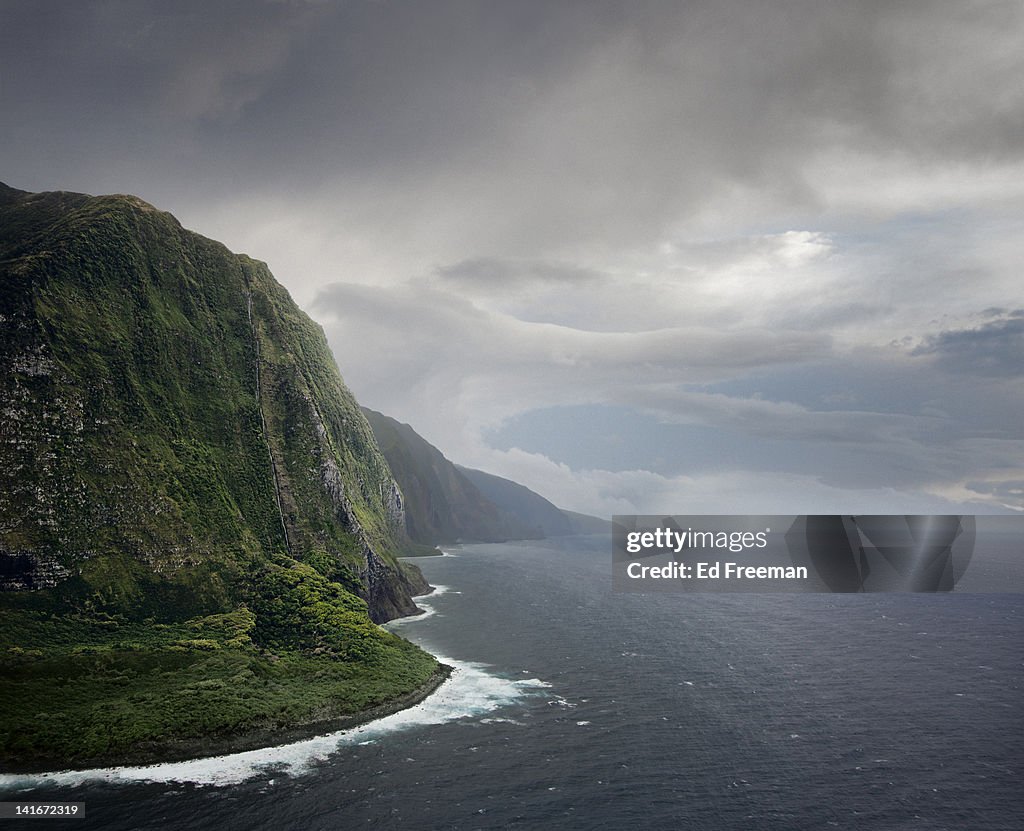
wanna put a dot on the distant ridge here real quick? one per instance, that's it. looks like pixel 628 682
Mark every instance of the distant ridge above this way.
pixel 587 524
pixel 533 509
pixel 442 505
pixel 445 502
pixel 530 508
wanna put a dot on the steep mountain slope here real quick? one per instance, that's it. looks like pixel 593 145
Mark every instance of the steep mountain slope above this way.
pixel 445 502
pixel 178 446
pixel 586 524
pixel 530 508
pixel 442 505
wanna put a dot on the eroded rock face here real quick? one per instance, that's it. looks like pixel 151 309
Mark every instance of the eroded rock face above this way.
pixel 390 591
pixel 389 587
pixel 24 571
pixel 393 504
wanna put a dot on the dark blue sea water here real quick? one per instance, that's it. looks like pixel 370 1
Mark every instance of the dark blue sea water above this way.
pixel 575 707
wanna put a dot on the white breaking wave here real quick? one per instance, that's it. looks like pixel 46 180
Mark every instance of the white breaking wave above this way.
pixel 423 601
pixel 471 691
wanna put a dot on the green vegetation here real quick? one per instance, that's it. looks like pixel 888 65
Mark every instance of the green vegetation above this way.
pixel 80 690
pixel 196 526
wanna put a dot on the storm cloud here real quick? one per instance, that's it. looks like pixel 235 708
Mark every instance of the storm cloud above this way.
pixel 792 227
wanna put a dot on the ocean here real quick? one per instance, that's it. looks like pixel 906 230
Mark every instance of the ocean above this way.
pixel 572 706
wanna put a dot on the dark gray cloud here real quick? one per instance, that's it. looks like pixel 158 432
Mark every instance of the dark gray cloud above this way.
pixel 604 118
pixel 994 348
pixel 766 220
pixel 492 274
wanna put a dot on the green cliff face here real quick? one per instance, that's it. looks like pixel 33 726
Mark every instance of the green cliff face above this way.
pixel 177 446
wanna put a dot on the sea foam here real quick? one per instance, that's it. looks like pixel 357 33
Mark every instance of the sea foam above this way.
pixel 471 691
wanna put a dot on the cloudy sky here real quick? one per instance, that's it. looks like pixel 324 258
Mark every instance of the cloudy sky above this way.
pixel 683 257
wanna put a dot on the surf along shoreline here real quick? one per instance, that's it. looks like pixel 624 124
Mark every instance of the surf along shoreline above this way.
pixel 204 747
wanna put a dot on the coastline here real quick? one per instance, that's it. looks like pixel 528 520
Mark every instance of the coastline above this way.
pixel 183 750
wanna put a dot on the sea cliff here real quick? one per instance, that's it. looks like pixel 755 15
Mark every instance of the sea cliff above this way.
pixel 198 531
